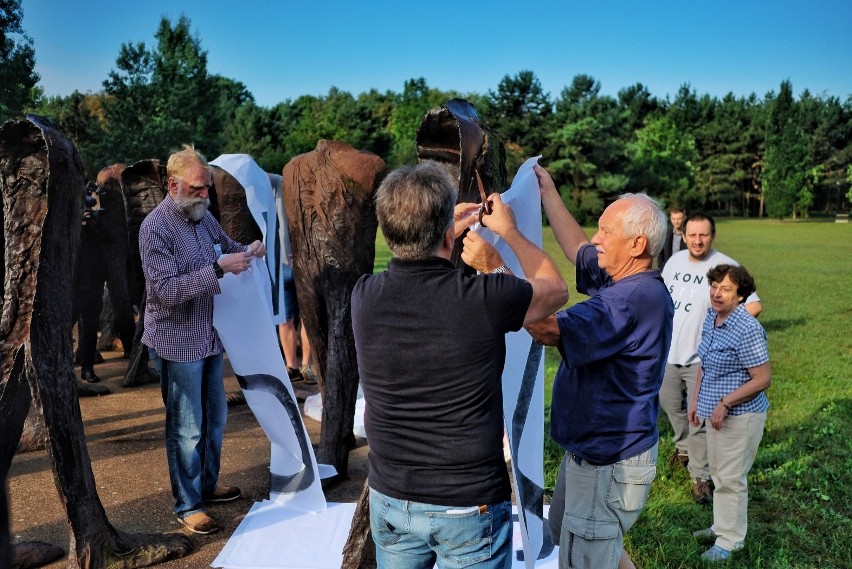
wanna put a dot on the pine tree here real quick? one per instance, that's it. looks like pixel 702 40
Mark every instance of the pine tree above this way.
pixel 17 62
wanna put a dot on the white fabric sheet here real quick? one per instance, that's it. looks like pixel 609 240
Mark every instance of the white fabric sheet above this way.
pixel 241 315
pixel 262 202
pixel 523 374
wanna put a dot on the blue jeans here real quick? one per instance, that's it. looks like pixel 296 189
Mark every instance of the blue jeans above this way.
pixel 411 535
pixel 291 303
pixel 196 413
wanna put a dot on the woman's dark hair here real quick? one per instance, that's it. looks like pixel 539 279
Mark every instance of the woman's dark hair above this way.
pixel 738 275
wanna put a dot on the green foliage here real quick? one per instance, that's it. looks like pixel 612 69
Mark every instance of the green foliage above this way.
pixel 849 179
pixel 734 156
pixel 662 161
pixel 17 63
pixel 519 111
pixel 159 99
pixel 588 147
pixel 727 172
pixel 828 126
pixel 636 105
pixel 785 173
pixel 82 118
pixel 251 132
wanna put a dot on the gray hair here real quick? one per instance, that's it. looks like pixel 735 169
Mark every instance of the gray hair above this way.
pixel 414 205
pixel 645 217
pixel 182 160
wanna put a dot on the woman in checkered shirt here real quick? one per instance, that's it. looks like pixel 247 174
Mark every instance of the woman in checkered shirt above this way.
pixel 730 396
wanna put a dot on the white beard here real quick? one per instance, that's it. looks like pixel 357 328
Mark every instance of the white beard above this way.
pixel 194 208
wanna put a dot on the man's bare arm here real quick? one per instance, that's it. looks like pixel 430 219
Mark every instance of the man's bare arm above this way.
pixel 754 308
pixel 545 332
pixel 567 231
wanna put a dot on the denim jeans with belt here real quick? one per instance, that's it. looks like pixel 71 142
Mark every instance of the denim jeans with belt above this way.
pixel 196 413
pixel 413 535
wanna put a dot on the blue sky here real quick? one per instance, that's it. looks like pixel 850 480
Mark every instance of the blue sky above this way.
pixel 282 49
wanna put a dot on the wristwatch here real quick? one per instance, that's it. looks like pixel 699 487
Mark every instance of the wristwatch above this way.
pixel 499 270
pixel 218 270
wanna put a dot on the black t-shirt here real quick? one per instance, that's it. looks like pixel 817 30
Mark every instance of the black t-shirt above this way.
pixel 430 344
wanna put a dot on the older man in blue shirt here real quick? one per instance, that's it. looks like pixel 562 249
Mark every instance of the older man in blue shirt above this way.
pixel 181 245
pixel 605 395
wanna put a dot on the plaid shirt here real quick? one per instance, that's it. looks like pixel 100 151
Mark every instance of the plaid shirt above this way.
pixel 727 351
pixel 177 260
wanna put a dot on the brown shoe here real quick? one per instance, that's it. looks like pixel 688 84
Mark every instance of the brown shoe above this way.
pixel 679 459
pixel 702 493
pixel 200 523
pixel 224 494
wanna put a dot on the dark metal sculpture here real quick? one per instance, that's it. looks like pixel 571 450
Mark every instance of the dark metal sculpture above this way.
pixel 473 155
pixel 328 198
pixel 41 176
pixel 112 215
pixel 143 185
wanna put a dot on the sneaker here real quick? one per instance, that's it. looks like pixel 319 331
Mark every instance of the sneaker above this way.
pixel 224 494
pixel 679 459
pixel 200 523
pixel 294 374
pixel 706 533
pixel 702 493
pixel 716 553
pixel 308 375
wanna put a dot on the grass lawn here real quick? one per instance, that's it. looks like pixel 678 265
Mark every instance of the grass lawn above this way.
pixel 800 488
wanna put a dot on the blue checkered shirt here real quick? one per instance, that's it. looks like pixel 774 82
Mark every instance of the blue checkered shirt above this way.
pixel 177 260
pixel 727 352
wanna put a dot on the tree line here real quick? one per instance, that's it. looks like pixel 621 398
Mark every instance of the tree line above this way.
pixel 777 156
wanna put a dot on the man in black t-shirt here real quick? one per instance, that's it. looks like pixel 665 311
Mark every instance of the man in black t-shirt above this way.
pixel 431 348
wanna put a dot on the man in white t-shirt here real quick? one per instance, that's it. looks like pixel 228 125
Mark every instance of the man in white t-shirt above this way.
pixel 685 275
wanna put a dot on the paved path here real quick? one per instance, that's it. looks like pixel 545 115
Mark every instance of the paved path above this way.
pixel 125 439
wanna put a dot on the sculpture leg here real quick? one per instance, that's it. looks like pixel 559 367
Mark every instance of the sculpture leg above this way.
pixel 341 383
pixel 14 404
pixel 35 337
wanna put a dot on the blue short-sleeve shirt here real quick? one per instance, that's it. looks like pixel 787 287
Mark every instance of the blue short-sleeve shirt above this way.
pixel 614 348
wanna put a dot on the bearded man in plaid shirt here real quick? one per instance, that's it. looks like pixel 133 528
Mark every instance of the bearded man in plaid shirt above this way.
pixel 184 254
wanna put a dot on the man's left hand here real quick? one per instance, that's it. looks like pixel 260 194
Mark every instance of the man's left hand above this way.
pixel 257 249
pixel 465 215
pixel 480 254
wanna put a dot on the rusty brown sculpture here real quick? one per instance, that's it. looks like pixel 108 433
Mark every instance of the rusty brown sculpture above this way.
pixel 41 176
pixel 328 198
pixel 229 205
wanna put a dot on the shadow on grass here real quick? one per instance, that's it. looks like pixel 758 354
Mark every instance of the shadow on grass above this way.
pixel 781 324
